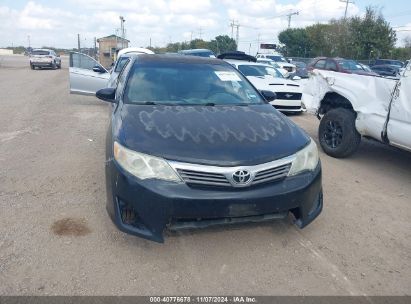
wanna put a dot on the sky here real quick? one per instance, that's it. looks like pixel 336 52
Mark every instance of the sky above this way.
pixel 57 23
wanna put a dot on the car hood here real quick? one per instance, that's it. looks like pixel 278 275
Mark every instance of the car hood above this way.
pixel 274 84
pixel 219 135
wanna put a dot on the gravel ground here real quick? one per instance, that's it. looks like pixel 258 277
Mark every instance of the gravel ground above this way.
pixel 56 238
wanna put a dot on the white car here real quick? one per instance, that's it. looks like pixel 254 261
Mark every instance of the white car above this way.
pixel 44 58
pixel 87 76
pixel 265 77
pixel 280 60
pixel 352 106
pixel 122 58
pixel 274 64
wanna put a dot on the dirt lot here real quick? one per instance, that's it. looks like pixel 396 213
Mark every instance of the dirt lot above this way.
pixel 56 238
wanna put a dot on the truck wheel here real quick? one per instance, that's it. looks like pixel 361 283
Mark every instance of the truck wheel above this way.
pixel 32 66
pixel 54 65
pixel 337 133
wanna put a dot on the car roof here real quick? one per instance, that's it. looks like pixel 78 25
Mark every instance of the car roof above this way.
pixel 134 50
pixel 243 62
pixel 386 66
pixel 195 51
pixel 48 50
pixel 177 59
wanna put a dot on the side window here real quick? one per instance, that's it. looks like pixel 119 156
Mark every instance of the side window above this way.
pixel 320 64
pixel 82 61
pixel 121 80
pixel 331 65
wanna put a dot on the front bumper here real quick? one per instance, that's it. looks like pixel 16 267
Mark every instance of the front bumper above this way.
pixel 155 205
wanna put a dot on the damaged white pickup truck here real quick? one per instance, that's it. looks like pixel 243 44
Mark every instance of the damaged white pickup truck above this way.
pixel 351 106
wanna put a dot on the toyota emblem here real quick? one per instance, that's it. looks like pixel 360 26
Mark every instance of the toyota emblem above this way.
pixel 241 177
pixel 289 95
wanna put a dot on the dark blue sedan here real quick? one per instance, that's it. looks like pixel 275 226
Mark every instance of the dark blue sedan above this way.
pixel 192 144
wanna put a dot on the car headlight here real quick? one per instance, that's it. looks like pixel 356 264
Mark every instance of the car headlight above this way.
pixel 142 165
pixel 305 160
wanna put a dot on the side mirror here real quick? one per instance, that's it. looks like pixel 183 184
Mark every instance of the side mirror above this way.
pixel 107 94
pixel 98 69
pixel 268 95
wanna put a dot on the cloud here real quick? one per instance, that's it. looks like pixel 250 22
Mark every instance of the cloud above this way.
pixel 58 23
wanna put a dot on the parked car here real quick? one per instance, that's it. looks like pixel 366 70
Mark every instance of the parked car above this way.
pixel 365 67
pixel 192 143
pixel 86 75
pixel 301 70
pixel 122 57
pixel 274 64
pixel 397 63
pixel 351 107
pixel 280 60
pixel 338 65
pixel 265 77
pixel 198 52
pixel 44 58
pixel 386 70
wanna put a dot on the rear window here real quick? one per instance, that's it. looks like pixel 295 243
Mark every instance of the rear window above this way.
pixel 349 65
pixel 277 58
pixel 40 52
pixel 259 70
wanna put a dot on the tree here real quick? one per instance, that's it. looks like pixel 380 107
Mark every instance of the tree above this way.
pixel 296 41
pixel 222 44
pixel 356 37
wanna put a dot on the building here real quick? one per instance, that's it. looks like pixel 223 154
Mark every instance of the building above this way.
pixel 108 48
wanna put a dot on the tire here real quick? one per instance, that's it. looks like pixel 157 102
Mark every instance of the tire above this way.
pixel 337 133
pixel 32 66
pixel 59 66
pixel 54 65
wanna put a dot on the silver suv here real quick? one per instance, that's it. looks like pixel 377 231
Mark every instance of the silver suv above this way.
pixel 43 58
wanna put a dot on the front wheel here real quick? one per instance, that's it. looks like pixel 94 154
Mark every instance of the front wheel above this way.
pixel 31 66
pixel 337 133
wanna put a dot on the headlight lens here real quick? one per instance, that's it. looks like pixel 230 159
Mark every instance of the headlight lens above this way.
pixel 306 159
pixel 142 165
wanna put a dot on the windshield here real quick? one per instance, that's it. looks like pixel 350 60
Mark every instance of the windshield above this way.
pixel 350 65
pixel 277 58
pixel 300 65
pixel 259 70
pixel 188 84
pixel 40 52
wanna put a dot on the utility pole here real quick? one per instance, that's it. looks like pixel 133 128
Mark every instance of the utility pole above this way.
pixel 95 48
pixel 200 33
pixel 150 42
pixel 235 24
pixel 289 15
pixel 258 41
pixel 78 43
pixel 346 6
pixel 122 20
pixel 28 38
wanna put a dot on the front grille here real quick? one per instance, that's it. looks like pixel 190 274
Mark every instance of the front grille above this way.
pixel 203 178
pixel 287 107
pixel 288 96
pixel 194 177
pixel 272 174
